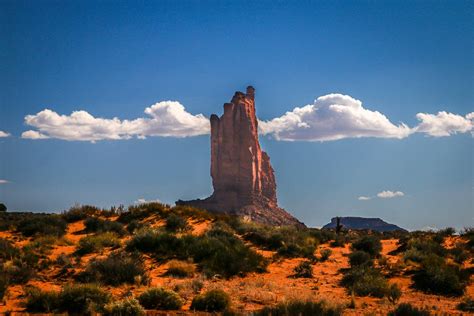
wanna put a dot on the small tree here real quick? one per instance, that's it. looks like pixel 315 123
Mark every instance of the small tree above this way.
pixel 3 207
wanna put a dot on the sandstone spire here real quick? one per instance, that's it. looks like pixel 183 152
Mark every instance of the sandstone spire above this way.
pixel 242 176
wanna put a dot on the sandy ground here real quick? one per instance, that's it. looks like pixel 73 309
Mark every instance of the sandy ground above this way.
pixel 248 293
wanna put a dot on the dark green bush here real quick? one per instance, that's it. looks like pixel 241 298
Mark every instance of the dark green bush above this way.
pixel 142 211
pixel 115 270
pixel 7 250
pixel 394 293
pixel 300 308
pixel 97 225
pixel 437 277
pixel 74 299
pixel 80 212
pixel 211 301
pixel 3 284
pixel 95 243
pixel 160 299
pixel 78 298
pixel 466 305
pixel 369 244
pixel 408 310
pixel 221 252
pixel 325 254
pixel 134 225
pixel 360 258
pixel 365 281
pixel 161 244
pixel 41 224
pixel 176 223
pixel 3 208
pixel 125 307
pixel 303 270
pixel 39 301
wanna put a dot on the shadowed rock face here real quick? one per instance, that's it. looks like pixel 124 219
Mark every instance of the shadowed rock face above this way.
pixel 242 176
pixel 364 223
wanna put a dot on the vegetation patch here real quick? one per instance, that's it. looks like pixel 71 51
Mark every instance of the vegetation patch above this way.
pixel 160 299
pixel 96 243
pixel 180 269
pixel 211 301
pixel 300 308
pixel 97 225
pixel 125 307
pixel 408 310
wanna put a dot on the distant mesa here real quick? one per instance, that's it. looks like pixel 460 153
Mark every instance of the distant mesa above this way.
pixel 242 176
pixel 376 224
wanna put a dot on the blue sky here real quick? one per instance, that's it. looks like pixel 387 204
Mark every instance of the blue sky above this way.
pixel 114 59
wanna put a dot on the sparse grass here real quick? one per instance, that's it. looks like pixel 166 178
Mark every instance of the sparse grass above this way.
pixel 408 310
pixel 126 307
pixel 95 243
pixel 211 301
pixel 115 270
pixel 303 270
pixel 160 299
pixel 300 308
pixel 80 212
pixel 142 211
pixel 180 269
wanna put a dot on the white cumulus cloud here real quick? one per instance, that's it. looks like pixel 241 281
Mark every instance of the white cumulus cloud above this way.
pixel 332 117
pixel 444 123
pixel 4 134
pixel 167 119
pixel 390 194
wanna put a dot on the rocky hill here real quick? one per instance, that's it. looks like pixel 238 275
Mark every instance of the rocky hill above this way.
pixel 376 224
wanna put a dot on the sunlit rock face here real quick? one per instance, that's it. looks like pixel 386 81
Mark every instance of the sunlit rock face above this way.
pixel 242 176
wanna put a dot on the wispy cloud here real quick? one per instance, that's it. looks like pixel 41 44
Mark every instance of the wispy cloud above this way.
pixel 166 119
pixel 3 181
pixel 364 198
pixel 4 134
pixel 144 201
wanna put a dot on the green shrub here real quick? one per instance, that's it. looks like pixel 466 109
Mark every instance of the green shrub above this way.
pixel 7 250
pixel 211 301
pixel 160 299
pixel 125 307
pixel 394 293
pixel 74 299
pixel 41 224
pixel 19 272
pixel 303 270
pixel 360 258
pixel 97 225
pixel 418 249
pixel 300 308
pixel 365 281
pixel 142 211
pixel 408 310
pixel 3 284
pixel 369 244
pixel 115 270
pixel 134 225
pixel 437 277
pixel 39 301
pixel 466 305
pixel 95 243
pixel 180 269
pixel 80 212
pixel 325 254
pixel 161 244
pixel 176 223
pixel 221 252
pixel 80 298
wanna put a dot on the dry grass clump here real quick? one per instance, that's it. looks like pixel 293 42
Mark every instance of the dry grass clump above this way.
pixel 181 269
